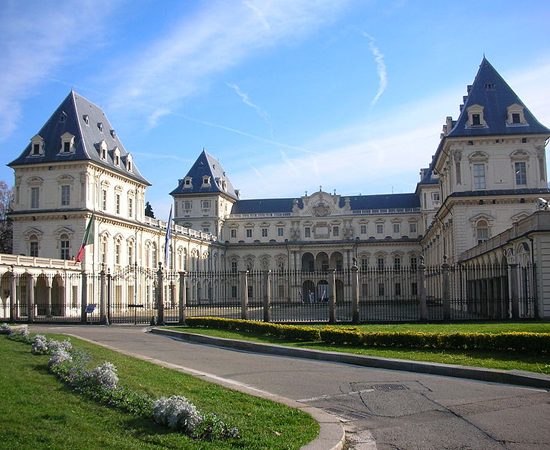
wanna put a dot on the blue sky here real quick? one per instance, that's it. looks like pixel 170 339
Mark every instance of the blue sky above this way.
pixel 289 95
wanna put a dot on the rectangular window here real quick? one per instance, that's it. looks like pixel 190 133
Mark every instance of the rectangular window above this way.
pixel 65 195
pixel 521 173
pixel 476 119
pixel 187 205
pixel 414 263
pixel 33 249
pixel 479 176
pixel 516 118
pixel 336 231
pixel 435 196
pixel 130 207
pixel 379 229
pixel 307 232
pixel 482 234
pixel 233 266
pixel 65 250
pixel 117 203
pixel 264 232
pixel 364 263
pixel 66 147
pixel 363 229
pixel 206 229
pixel 397 263
pixel 36 149
pixel 205 204
pixel 380 263
pixel 130 255
pixel 280 232
pixel 103 199
pixel 397 289
pixel 249 232
pixel 412 227
pixel 117 253
pixel 233 233
pixel 396 228
pixel 35 197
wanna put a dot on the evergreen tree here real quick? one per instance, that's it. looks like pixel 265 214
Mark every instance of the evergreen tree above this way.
pixel 149 210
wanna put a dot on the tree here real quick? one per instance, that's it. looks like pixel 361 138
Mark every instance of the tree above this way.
pixel 6 206
pixel 149 210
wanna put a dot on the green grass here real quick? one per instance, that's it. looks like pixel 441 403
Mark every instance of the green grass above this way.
pixel 489 360
pixel 39 412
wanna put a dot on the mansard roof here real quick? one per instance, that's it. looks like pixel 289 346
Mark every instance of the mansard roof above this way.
pixel 490 91
pixel 357 202
pixel 90 127
pixel 206 166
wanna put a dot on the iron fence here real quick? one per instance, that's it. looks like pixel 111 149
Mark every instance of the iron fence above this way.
pixel 139 295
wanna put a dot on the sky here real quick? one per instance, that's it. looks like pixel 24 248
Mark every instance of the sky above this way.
pixel 291 96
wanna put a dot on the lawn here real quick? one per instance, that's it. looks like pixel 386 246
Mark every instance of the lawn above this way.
pixel 39 412
pixel 489 360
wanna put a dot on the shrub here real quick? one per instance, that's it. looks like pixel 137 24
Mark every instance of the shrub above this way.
pixel 59 357
pixel 177 413
pixel 39 345
pixel 105 375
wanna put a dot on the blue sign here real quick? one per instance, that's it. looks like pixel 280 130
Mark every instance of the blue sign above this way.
pixel 90 308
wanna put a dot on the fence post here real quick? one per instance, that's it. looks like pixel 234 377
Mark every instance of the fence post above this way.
pixel 332 296
pixel 160 295
pixel 422 290
pixel 355 292
pixel 30 297
pixel 244 294
pixel 514 294
pixel 182 299
pixel 13 294
pixel 103 297
pixel 84 299
pixel 267 296
pixel 446 288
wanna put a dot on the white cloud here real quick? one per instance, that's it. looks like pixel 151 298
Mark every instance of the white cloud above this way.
pixel 380 68
pixel 34 39
pixel 210 41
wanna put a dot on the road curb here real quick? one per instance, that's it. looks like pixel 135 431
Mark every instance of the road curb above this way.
pixel 474 373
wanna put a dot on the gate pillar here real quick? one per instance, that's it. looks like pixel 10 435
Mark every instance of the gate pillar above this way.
pixel 355 292
pixel 422 290
pixel 160 295
pixel 182 299
pixel 244 295
pixel 13 294
pixel 267 296
pixel 332 295
pixel 514 295
pixel 446 289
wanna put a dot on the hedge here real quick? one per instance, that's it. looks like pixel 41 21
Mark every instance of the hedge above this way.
pixel 538 343
pixel 503 342
pixel 290 332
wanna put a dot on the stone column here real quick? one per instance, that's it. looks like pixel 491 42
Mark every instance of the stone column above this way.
pixel 244 295
pixel 160 295
pixel 267 296
pixel 332 295
pixel 422 294
pixel 103 297
pixel 182 299
pixel 30 297
pixel 446 289
pixel 84 293
pixel 355 293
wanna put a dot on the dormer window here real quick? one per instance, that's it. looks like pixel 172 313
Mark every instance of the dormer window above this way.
pixel 205 181
pixel 62 117
pixel 37 146
pixel 475 116
pixel 86 119
pixel 116 156
pixel 515 115
pixel 100 126
pixel 129 164
pixel 67 144
pixel 113 134
pixel 103 150
pixel 187 183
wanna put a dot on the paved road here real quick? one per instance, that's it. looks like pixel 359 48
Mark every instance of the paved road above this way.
pixel 400 410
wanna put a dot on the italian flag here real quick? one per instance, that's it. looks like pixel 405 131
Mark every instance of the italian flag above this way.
pixel 88 239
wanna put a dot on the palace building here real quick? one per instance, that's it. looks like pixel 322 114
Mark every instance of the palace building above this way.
pixel 484 181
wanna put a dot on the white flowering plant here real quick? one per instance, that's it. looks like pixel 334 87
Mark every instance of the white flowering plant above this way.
pixel 176 412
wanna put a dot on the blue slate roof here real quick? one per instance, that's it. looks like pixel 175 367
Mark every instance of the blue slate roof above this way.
pixel 207 165
pixel 357 202
pixel 493 93
pixel 89 124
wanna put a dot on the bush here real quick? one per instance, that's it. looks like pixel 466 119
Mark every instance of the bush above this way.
pixel 176 412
